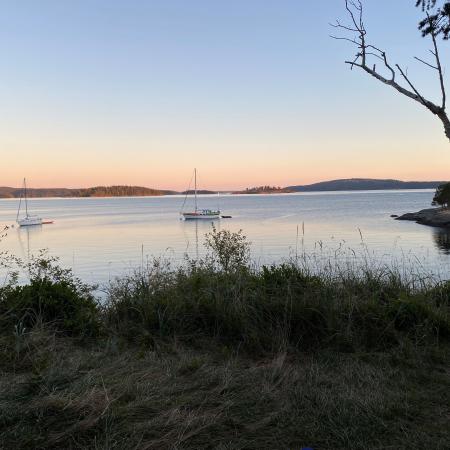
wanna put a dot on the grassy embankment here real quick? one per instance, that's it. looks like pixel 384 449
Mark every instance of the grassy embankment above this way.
pixel 217 354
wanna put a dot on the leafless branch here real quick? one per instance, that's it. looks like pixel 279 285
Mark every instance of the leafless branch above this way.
pixel 426 63
pixel 405 76
pixel 438 64
pixel 340 38
pixel 368 51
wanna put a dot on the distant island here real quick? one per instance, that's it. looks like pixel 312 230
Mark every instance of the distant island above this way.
pixel 97 191
pixel 364 184
pixel 264 190
pixel 351 184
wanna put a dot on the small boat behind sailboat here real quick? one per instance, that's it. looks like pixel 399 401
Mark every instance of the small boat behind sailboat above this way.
pixel 28 220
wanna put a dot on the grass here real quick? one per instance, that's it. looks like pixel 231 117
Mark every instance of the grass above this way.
pixel 277 308
pixel 177 396
pixel 220 354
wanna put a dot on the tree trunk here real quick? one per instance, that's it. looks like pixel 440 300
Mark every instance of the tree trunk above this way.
pixel 446 122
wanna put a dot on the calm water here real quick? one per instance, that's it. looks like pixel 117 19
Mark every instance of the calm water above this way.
pixel 104 237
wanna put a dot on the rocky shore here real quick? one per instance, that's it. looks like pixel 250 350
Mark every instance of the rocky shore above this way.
pixel 435 217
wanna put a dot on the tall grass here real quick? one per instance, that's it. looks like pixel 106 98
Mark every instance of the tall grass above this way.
pixel 226 297
pixel 277 307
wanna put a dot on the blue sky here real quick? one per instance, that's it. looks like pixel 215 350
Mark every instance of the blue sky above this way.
pixel 250 92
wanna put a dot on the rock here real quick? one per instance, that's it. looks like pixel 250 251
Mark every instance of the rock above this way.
pixel 394 215
pixel 434 217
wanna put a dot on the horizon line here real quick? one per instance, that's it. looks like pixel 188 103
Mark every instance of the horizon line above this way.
pixel 230 189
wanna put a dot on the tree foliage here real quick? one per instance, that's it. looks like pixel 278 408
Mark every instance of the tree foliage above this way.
pixel 442 195
pixel 438 18
pixel 231 251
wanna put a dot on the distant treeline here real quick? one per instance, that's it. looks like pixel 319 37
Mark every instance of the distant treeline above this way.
pixel 353 184
pixel 264 190
pixel 97 191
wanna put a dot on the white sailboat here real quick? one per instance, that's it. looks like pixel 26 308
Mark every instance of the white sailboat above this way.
pixel 199 214
pixel 29 219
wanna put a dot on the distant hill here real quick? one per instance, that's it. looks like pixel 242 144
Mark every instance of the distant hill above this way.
pixel 122 191
pixel 352 184
pixel 264 190
pixel 364 184
pixel 97 191
pixel 9 192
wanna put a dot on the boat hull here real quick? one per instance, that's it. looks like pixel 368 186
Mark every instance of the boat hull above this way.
pixel 200 216
pixel 30 221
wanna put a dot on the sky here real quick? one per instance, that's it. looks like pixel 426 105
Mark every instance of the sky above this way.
pixel 251 92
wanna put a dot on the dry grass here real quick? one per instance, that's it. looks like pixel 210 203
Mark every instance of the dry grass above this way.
pixel 182 398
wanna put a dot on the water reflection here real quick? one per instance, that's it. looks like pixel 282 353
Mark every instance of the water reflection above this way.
pixel 25 237
pixel 194 233
pixel 441 238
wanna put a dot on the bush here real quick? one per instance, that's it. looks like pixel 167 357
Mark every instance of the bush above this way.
pixel 53 297
pixel 231 251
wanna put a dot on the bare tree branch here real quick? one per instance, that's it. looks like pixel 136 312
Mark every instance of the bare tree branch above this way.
pixel 424 62
pixel 438 63
pixel 368 51
pixel 422 100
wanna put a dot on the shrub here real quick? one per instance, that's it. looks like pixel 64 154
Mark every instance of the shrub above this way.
pixel 231 251
pixel 53 296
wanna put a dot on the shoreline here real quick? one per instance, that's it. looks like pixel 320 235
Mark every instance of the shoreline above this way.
pixel 433 217
pixel 228 194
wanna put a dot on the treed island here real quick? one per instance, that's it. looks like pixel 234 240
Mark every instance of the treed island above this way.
pixel 352 184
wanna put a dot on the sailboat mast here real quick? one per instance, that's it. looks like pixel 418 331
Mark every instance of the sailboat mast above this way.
pixel 20 204
pixel 25 193
pixel 195 188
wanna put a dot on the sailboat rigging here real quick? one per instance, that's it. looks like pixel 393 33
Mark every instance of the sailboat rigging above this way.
pixel 198 214
pixel 29 219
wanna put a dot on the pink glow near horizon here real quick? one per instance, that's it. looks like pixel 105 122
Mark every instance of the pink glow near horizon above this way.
pixel 82 106
pixel 291 168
